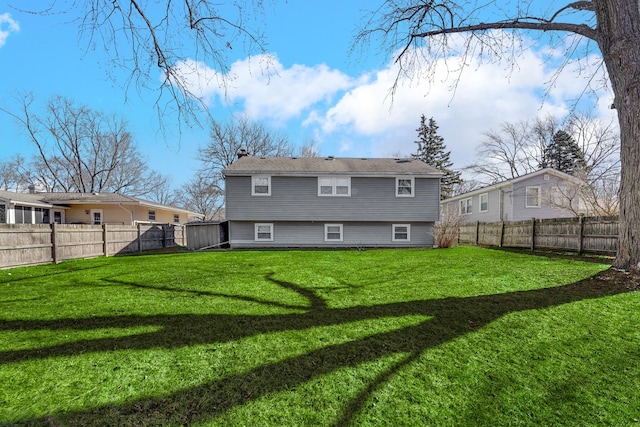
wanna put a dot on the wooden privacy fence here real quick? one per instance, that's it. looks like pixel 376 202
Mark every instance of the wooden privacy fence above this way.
pixel 29 244
pixel 577 234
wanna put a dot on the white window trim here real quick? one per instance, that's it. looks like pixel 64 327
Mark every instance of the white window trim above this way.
pixel 334 185
pixel 253 185
pixel 326 229
pixel 480 202
pixel 393 232
pixel 465 203
pixel 255 232
pixel 413 186
pixel 149 212
pixel 101 216
pixel 526 197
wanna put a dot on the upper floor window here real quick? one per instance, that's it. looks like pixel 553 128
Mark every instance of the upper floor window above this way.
pixel 176 218
pixel 405 187
pixel 334 186
pixel 532 197
pixel 261 185
pixel 466 206
pixel 152 215
pixel 484 202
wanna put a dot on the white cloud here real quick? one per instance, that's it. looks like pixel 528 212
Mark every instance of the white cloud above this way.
pixel 7 26
pixel 265 88
pixel 356 116
pixel 486 96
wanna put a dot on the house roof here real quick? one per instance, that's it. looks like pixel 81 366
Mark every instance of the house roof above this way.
pixel 510 182
pixel 305 166
pixel 25 199
pixel 57 199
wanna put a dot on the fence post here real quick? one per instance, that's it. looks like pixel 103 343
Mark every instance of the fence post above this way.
pixel 54 243
pixel 533 234
pixel 580 233
pixel 501 233
pixel 477 232
pixel 105 247
pixel 139 237
pixel 164 235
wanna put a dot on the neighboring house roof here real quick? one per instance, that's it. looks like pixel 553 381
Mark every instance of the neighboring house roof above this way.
pixel 510 182
pixel 25 199
pixel 59 199
pixel 312 166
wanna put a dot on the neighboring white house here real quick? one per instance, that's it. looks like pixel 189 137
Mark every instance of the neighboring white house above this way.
pixel 547 193
pixel 86 208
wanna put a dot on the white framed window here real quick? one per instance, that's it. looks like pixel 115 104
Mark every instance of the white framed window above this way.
pixel 532 197
pixel 334 186
pixel 401 232
pixel 263 232
pixel 333 233
pixel 484 202
pixel 261 185
pixel 176 218
pixel 405 186
pixel 152 215
pixel 466 206
pixel 96 216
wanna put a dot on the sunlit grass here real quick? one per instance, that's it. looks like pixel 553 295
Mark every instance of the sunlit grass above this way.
pixel 466 336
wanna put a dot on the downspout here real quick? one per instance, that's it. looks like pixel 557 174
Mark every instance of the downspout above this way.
pixel 128 211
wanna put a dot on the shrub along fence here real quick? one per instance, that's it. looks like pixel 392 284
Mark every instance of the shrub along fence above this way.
pixel 577 234
pixel 29 244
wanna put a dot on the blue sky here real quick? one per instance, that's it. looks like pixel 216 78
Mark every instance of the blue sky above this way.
pixel 320 92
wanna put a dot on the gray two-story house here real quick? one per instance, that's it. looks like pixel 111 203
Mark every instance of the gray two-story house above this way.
pixel 330 202
pixel 546 193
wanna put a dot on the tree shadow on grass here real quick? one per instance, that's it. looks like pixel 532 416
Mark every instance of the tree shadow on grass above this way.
pixel 449 318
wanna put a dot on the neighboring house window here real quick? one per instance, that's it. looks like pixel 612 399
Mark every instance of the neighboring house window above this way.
pixel 176 218
pixel 404 187
pixel 42 216
pixel 532 197
pixel 401 232
pixel 260 185
pixel 264 232
pixel 152 215
pixel 484 202
pixel 3 214
pixel 466 206
pixel 96 216
pixel 57 217
pixel 334 186
pixel 23 214
pixel 333 232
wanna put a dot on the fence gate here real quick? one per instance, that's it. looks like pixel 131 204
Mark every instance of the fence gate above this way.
pixel 205 235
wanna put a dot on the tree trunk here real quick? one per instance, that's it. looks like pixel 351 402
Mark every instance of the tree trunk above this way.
pixel 619 40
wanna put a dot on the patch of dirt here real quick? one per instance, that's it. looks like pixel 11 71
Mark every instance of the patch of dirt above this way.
pixel 619 278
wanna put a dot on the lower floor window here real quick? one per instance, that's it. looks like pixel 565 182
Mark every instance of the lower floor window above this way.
pixel 401 232
pixel 264 232
pixel 333 232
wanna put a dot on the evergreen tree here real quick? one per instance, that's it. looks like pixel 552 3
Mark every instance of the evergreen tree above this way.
pixel 563 154
pixel 431 150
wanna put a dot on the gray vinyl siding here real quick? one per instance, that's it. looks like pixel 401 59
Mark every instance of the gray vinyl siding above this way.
pixel 307 234
pixel 296 199
pixel 518 194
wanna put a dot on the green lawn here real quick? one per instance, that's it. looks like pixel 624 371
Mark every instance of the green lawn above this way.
pixel 464 336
